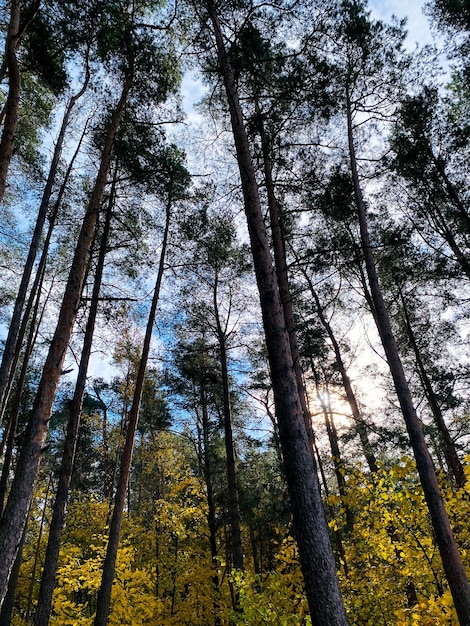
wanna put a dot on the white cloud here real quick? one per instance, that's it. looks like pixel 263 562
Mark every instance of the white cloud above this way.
pixel 417 23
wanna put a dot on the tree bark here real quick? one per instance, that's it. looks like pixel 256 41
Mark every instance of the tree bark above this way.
pixel 46 589
pixel 450 453
pixel 21 493
pixel 316 556
pixel 10 111
pixel 234 507
pixel 11 427
pixel 14 339
pixel 211 519
pixel 337 534
pixel 280 262
pixel 104 593
pixel 33 300
pixel 350 395
pixel 453 567
pixel 29 606
pixel 8 604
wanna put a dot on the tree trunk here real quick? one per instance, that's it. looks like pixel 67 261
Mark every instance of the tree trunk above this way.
pixel 350 395
pixel 337 534
pixel 13 521
pixel 211 519
pixel 46 589
pixel 450 189
pixel 108 478
pixel 280 262
pixel 332 433
pixel 234 507
pixel 10 111
pixel 36 552
pixel 13 340
pixel 33 300
pixel 104 593
pixel 11 428
pixel 445 540
pixel 440 223
pixel 8 604
pixel 450 453
pixel 316 556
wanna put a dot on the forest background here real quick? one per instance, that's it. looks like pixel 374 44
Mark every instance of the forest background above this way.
pixel 235 367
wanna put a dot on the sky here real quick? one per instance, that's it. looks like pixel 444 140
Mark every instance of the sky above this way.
pixel 418 28
pixel 417 24
pixel 418 32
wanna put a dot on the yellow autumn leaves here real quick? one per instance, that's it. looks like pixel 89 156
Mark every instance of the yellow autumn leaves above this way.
pixel 165 575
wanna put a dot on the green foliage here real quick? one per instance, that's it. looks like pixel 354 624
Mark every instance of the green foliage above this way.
pixel 411 140
pixel 216 241
pixel 453 13
pixel 45 53
pixel 154 412
pixel 36 107
pixel 337 199
pixel 142 152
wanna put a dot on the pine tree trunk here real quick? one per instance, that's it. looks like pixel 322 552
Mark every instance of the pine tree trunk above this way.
pixel 104 593
pixel 14 339
pixel 46 589
pixel 450 452
pixel 11 428
pixel 33 301
pixel 211 519
pixel 311 532
pixel 350 395
pixel 337 534
pixel 280 262
pixel 453 567
pixel 8 604
pixel 29 606
pixel 234 507
pixel 21 493
pixel 10 111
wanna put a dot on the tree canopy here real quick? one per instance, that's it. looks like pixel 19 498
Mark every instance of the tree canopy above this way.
pixel 234 378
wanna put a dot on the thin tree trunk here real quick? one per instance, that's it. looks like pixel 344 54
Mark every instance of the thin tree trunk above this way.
pixel 10 112
pixel 280 262
pixel 36 553
pixel 332 433
pixel 234 507
pixel 23 27
pixel 440 223
pixel 350 395
pixel 453 567
pixel 108 478
pixel 46 589
pixel 12 343
pixel 337 534
pixel 8 604
pixel 33 298
pixel 450 189
pixel 448 444
pixel 254 549
pixel 104 593
pixel 12 426
pixel 14 519
pixel 211 521
pixel 311 531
